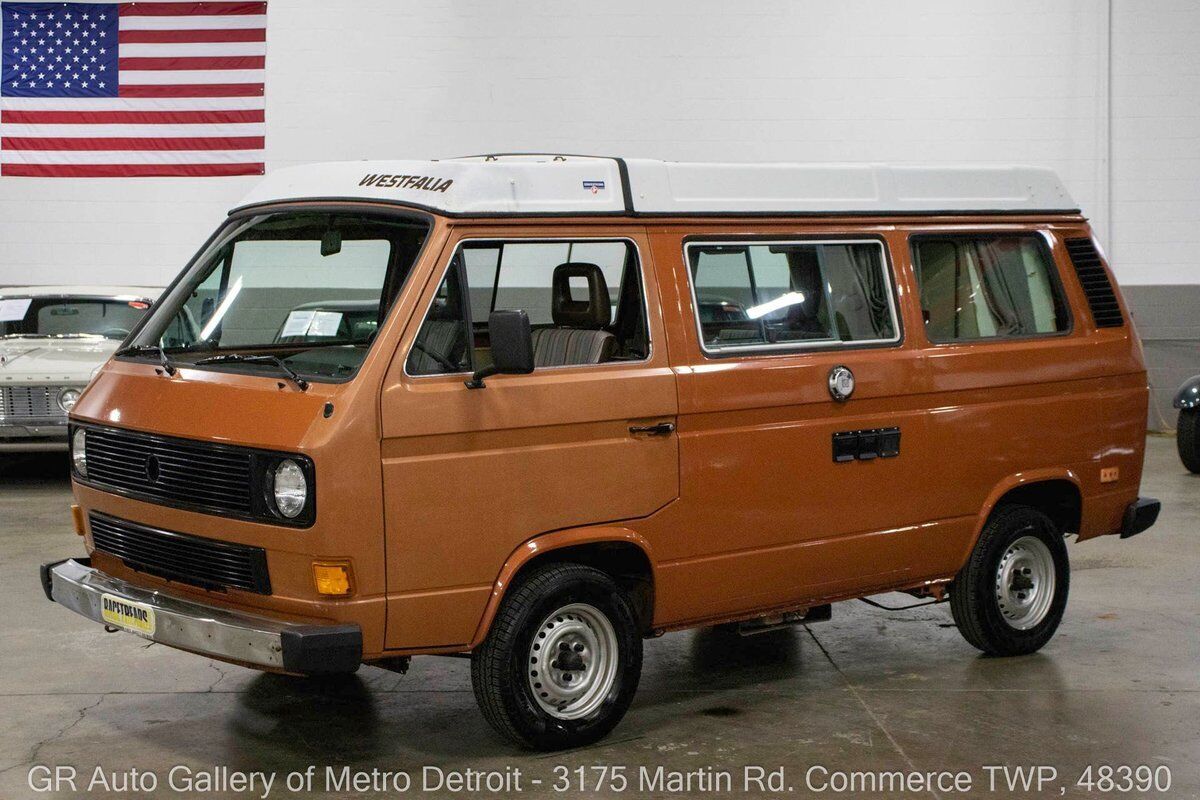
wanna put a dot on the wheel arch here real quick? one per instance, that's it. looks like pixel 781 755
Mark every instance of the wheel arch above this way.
pixel 1056 493
pixel 618 551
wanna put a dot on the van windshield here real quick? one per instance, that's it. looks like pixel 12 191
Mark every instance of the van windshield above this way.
pixel 309 289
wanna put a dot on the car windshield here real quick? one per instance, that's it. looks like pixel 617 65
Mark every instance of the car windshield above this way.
pixel 306 288
pixel 70 316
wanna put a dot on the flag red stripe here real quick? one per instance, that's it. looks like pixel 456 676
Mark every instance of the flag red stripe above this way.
pixel 133 143
pixel 131 117
pixel 189 9
pixel 194 90
pixel 194 62
pixel 129 170
pixel 176 37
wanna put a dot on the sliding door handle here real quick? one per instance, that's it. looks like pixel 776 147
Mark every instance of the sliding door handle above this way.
pixel 659 429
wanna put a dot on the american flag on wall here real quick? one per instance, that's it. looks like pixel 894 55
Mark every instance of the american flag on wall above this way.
pixel 132 89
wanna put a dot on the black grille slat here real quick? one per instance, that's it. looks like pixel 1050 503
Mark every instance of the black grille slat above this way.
pixel 1102 300
pixel 189 473
pixel 168 480
pixel 181 557
pixel 201 550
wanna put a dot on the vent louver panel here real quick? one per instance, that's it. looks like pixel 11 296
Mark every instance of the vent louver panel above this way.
pixel 206 563
pixel 1106 312
pixel 30 403
pixel 184 473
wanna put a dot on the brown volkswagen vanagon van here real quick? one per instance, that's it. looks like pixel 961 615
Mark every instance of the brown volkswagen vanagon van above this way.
pixel 538 408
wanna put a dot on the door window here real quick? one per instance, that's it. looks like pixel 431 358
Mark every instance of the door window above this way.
pixel 988 286
pixel 791 294
pixel 584 299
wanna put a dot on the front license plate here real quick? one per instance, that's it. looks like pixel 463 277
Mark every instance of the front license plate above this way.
pixel 122 613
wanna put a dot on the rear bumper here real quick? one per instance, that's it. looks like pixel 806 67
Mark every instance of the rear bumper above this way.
pixel 1139 515
pixel 221 633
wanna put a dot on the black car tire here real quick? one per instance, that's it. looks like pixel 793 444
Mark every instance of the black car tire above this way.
pixel 1187 438
pixel 503 668
pixel 990 578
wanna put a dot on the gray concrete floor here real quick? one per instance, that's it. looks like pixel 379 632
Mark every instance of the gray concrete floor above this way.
pixel 870 690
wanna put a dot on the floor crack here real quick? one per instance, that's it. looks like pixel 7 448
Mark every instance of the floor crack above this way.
pixel 858 696
pixel 37 748
pixel 221 675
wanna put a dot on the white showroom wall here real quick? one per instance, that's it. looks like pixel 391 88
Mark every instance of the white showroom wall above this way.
pixel 939 81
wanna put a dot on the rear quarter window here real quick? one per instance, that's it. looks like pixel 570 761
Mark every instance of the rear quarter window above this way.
pixel 988 286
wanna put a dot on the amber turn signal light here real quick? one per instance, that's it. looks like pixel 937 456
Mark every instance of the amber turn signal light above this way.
pixel 332 580
pixel 77 518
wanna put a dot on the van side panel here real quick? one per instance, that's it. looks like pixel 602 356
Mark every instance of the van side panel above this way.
pixel 770 518
pixel 773 523
pixel 1073 402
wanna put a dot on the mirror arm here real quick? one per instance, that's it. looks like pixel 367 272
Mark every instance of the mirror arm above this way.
pixel 476 380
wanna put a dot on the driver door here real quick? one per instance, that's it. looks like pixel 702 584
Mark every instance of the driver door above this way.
pixel 470 475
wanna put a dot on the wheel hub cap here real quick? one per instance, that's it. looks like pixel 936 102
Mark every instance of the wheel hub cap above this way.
pixel 1025 581
pixel 573 661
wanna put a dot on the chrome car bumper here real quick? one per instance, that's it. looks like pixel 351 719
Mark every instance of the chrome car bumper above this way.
pixel 30 436
pixel 222 633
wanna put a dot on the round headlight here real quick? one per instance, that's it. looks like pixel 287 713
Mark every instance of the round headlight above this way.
pixel 79 451
pixel 291 488
pixel 67 398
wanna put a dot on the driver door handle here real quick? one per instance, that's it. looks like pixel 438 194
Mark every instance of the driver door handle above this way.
pixel 659 429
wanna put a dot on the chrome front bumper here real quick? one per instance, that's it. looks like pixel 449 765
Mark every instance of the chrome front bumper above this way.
pixel 31 436
pixel 217 632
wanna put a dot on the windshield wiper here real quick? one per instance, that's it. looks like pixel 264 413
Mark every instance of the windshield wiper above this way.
pixel 139 349
pixel 240 358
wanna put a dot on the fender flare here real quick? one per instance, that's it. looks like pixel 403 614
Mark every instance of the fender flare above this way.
pixel 545 543
pixel 1188 396
pixel 1012 482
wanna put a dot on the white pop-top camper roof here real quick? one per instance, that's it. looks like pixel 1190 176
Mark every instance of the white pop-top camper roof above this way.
pixel 570 185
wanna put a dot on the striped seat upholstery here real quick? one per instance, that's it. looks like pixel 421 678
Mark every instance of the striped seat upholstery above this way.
pixel 557 347
pixel 578 335
pixel 443 337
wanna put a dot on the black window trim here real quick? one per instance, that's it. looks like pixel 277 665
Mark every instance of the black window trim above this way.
pixel 444 271
pixel 794 348
pixel 1045 239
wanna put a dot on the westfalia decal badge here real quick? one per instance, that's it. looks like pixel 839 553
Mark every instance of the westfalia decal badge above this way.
pixel 426 182
pixel 593 186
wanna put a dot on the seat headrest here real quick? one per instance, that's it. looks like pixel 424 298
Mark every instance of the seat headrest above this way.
pixel 595 312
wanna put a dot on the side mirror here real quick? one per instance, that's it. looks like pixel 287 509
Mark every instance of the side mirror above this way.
pixel 512 347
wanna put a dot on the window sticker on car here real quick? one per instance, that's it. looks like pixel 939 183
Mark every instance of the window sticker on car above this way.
pixel 14 310
pixel 297 323
pixel 325 323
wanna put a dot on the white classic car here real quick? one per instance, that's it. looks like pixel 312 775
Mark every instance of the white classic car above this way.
pixel 52 340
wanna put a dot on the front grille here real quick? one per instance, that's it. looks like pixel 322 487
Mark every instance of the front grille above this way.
pixel 20 403
pixel 206 563
pixel 1100 296
pixel 215 478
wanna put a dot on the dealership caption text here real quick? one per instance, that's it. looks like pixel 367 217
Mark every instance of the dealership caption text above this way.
pixel 1042 780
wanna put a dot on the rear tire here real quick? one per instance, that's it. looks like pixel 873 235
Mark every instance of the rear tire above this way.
pixel 562 660
pixel 1010 596
pixel 1187 438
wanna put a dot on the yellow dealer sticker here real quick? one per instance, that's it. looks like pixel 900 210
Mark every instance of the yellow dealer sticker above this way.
pixel 136 617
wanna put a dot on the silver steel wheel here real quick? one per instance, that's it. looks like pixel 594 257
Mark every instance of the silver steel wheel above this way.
pixel 573 661
pixel 1025 581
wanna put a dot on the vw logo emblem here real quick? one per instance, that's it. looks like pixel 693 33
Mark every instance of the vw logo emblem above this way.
pixel 841 383
pixel 152 469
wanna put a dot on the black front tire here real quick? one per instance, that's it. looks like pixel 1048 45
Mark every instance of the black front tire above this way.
pixel 1187 438
pixel 500 667
pixel 974 600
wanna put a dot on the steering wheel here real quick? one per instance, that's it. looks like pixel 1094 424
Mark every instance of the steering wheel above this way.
pixel 438 357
